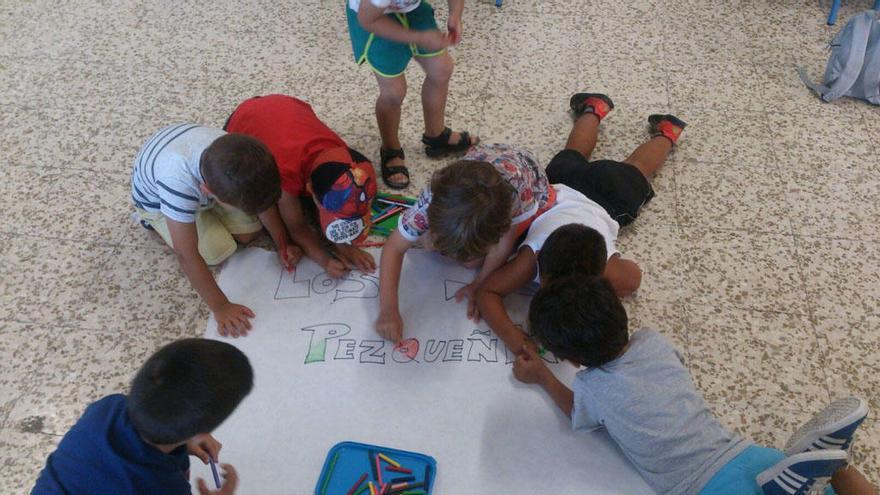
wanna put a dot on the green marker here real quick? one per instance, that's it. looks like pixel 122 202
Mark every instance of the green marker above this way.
pixel 329 473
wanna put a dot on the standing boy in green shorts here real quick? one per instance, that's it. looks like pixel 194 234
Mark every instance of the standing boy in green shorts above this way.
pixel 386 34
pixel 203 191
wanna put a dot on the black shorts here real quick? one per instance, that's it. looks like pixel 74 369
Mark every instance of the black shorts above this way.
pixel 619 188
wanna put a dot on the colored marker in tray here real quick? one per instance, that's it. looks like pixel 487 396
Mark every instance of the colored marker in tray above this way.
pixel 355 468
pixel 386 212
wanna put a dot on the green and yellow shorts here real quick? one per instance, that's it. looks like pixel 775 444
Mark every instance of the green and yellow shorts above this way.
pixel 390 58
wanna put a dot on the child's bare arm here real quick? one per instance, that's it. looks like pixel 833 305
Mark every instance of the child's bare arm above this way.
pixel 288 254
pixel 494 259
pixel 529 368
pixel 302 234
pixel 625 275
pixel 232 319
pixel 490 297
pixel 390 324
pixel 374 20
pixel 456 8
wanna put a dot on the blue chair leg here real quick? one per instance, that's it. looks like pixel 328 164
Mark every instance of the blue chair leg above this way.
pixel 832 16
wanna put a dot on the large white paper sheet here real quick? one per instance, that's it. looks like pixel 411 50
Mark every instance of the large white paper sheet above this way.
pixel 324 376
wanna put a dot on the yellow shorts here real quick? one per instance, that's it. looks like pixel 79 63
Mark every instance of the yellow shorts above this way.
pixel 215 227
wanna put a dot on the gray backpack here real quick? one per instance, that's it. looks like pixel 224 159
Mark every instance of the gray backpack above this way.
pixel 854 67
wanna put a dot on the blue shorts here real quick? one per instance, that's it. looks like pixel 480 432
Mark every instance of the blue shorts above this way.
pixel 737 477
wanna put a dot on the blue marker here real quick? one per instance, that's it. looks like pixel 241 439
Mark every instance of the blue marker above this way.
pixel 214 471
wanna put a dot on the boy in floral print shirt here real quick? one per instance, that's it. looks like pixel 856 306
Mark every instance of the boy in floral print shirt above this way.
pixel 473 212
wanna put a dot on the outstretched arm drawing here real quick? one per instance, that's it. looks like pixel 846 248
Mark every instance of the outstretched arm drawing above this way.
pixel 390 324
pixel 514 274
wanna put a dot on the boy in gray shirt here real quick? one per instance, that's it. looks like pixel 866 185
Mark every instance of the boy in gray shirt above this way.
pixel 638 389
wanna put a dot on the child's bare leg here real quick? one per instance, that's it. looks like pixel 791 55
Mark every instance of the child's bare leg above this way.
pixel 849 481
pixel 246 238
pixel 584 134
pixel 650 156
pixel 588 109
pixel 435 91
pixel 392 91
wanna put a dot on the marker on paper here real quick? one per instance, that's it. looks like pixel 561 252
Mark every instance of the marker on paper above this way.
pixel 214 471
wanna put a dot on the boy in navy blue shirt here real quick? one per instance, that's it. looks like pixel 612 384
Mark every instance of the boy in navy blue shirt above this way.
pixel 140 444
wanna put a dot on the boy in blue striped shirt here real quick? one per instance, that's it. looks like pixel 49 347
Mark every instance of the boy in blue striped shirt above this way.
pixel 203 191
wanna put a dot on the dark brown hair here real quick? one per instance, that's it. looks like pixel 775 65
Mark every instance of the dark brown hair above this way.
pixel 241 171
pixel 581 319
pixel 470 209
pixel 572 249
pixel 186 388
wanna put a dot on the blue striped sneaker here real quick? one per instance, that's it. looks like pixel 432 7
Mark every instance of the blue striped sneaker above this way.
pixel 832 428
pixel 801 474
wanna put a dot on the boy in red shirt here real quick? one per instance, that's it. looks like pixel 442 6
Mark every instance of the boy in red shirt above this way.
pixel 314 162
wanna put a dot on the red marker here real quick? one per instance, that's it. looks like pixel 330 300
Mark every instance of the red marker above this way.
pixel 356 485
pixel 399 469
pixel 378 470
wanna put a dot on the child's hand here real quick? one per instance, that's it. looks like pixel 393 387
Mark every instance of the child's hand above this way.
pixel 335 268
pixel 433 40
pixel 469 291
pixel 354 257
pixel 230 482
pixel 454 27
pixel 390 326
pixel 528 367
pixel 204 447
pixel 290 256
pixel 233 320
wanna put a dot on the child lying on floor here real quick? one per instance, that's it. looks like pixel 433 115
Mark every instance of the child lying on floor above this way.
pixel 637 388
pixel 593 199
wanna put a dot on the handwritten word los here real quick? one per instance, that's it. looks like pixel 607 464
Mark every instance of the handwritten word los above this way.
pixel 327 344
pixel 355 285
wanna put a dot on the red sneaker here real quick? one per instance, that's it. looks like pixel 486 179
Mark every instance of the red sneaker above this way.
pixel 668 126
pixel 595 103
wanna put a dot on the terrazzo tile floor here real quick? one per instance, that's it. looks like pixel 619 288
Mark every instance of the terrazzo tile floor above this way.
pixel 761 253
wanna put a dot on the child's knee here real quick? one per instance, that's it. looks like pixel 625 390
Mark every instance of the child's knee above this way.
pixel 245 238
pixel 217 250
pixel 392 91
pixel 440 71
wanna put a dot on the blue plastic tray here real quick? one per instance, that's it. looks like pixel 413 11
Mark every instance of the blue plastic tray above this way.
pixel 348 461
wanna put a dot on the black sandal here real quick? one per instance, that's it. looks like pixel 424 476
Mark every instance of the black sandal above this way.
pixel 438 146
pixel 386 156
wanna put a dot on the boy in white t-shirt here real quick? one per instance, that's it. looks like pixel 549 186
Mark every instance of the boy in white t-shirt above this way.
pixel 386 35
pixel 593 199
